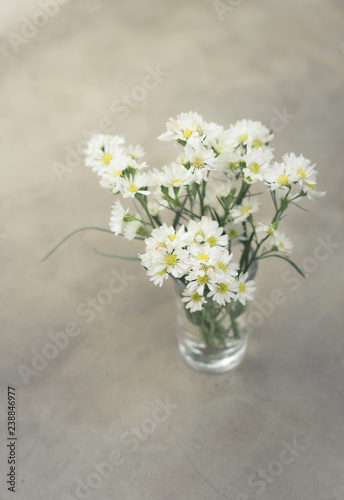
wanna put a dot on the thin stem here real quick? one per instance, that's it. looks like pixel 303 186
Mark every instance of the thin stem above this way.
pixel 72 234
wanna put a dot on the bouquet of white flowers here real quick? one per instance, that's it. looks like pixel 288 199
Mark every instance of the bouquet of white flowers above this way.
pixel 207 196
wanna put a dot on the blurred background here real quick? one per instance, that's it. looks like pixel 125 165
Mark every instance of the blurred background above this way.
pixel 71 68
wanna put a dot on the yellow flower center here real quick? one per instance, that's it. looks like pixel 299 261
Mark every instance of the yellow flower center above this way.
pixel 203 256
pixel 212 241
pixel 243 138
pixel 255 168
pixel 222 288
pixel 132 188
pixel 197 163
pixel 172 237
pixel 270 231
pixel 117 173
pixel 301 173
pixel 196 297
pixel 187 133
pixel 200 233
pixel 171 260
pixel 246 209
pixel 233 233
pixel 282 179
pixel 242 287
pixel 106 159
pixel 161 244
pixel 256 143
pixel 175 181
pixel 202 280
pixel 164 271
pixel 233 165
pixel 281 244
pixel 310 186
pixel 222 266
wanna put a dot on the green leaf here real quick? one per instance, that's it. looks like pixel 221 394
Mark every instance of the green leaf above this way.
pixel 72 234
pixel 286 259
pixel 123 257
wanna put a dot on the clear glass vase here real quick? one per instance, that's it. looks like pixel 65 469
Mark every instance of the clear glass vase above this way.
pixel 213 339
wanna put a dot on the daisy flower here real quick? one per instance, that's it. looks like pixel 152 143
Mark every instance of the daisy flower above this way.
pixel 117 215
pixel 250 133
pixel 133 228
pixel 207 231
pixel 101 149
pixel 134 152
pixel 193 300
pixel 154 207
pixel 175 175
pixel 111 173
pixel 283 243
pixel 240 212
pixel 279 176
pixel 175 262
pixel 311 191
pixel 133 186
pixel 234 230
pixel 222 292
pixel 223 267
pixel 199 279
pixel 201 160
pixel 267 229
pixel 257 161
pixel 185 126
pixel 244 289
pixel 166 237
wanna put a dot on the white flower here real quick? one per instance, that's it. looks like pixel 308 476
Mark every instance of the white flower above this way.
pixel 186 126
pixel 194 301
pixel 257 161
pixel 241 212
pixel 158 277
pixel 304 173
pixel 283 243
pixel 133 186
pixel 228 161
pixel 212 136
pixel 174 262
pixel 249 133
pixel 280 176
pixel 134 152
pixel 101 149
pixel 175 175
pixel 167 238
pixel 244 289
pixel 311 191
pixel 117 215
pixel 201 160
pixel 222 292
pixel 234 230
pixel 267 229
pixel 207 231
pixel 200 278
pixel 111 173
pixel 132 228
pixel 223 267
pixel 154 208
pixel 226 187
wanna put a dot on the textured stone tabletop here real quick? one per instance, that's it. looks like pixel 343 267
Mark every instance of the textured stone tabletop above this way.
pixel 115 413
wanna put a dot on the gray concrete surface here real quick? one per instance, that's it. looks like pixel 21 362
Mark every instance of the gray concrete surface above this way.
pixel 79 410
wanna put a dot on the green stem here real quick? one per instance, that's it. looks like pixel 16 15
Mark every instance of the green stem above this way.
pixel 123 257
pixel 72 234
